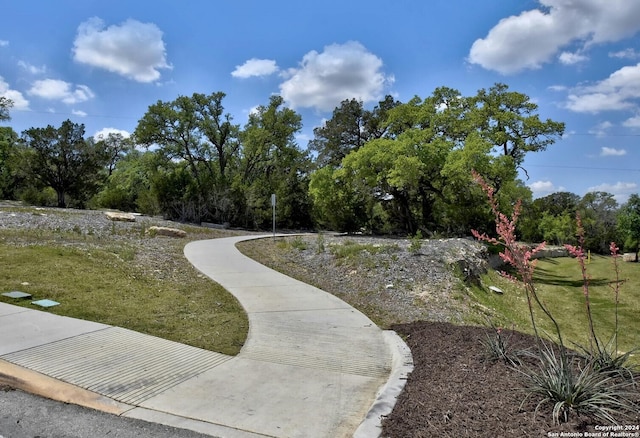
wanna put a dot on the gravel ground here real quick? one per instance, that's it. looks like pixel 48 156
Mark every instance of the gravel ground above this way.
pixel 391 280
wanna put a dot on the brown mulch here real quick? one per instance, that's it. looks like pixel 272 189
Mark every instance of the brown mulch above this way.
pixel 454 391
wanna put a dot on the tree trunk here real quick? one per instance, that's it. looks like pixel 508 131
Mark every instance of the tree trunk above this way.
pixel 61 201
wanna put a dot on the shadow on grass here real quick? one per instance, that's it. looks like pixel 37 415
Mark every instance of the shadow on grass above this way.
pixel 544 276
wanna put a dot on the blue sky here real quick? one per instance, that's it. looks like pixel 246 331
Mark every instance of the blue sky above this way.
pixel 103 63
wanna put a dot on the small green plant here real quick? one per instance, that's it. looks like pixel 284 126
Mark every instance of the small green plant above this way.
pixel 415 244
pixel 576 388
pixel 320 245
pixel 498 346
pixel 299 243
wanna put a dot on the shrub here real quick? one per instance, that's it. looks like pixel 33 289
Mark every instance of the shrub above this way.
pixel 571 386
pixel 575 387
pixel 498 346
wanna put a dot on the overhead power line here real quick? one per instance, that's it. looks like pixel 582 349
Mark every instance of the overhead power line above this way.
pixel 612 169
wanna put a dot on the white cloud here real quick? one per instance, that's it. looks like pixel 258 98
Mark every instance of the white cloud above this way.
pixel 619 190
pixel 341 71
pixel 19 102
pixel 632 122
pixel 568 58
pixel 104 133
pixel 79 113
pixel 543 188
pixel 620 91
pixel 601 128
pixel 255 67
pixel 4 43
pixel 32 69
pixel 608 152
pixel 528 40
pixel 133 49
pixel 54 89
pixel 625 54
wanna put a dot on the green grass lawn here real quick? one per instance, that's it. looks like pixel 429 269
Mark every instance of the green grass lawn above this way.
pixel 107 281
pixel 559 284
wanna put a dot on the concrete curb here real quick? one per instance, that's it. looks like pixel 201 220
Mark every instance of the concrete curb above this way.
pixel 401 367
pixel 35 383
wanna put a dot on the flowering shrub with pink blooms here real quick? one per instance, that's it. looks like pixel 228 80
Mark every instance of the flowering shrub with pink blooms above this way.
pixel 591 385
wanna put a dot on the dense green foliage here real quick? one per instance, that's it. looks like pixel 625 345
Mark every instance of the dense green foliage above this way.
pixel 397 168
pixel 62 159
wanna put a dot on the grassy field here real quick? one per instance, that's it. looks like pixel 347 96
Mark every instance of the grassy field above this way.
pixel 123 283
pixel 559 283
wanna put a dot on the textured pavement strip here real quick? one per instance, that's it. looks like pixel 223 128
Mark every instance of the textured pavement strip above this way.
pixel 127 366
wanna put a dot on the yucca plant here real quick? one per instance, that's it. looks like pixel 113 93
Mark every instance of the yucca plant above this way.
pixel 498 346
pixel 605 357
pixel 581 390
pixel 586 389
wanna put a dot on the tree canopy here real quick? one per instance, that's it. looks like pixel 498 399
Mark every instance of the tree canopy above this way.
pixel 393 168
pixel 416 174
pixel 62 159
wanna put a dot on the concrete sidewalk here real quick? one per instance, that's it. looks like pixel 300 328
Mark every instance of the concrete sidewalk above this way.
pixel 312 366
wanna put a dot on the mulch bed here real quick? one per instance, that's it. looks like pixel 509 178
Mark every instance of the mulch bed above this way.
pixel 454 391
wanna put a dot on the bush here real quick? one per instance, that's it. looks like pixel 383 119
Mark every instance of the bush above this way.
pixel 577 387
pixel 590 387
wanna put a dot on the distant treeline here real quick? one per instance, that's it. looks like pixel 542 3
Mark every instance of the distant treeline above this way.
pixel 398 168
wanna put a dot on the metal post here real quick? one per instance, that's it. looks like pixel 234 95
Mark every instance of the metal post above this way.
pixel 273 206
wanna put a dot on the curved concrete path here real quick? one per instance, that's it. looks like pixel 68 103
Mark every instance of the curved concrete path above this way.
pixel 312 366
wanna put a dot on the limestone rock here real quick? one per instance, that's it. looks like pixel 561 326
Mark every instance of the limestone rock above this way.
pixel 166 231
pixel 629 257
pixel 121 217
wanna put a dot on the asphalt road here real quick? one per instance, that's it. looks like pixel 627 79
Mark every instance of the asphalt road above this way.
pixel 24 415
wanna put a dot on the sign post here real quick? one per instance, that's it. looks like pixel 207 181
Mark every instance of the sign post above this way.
pixel 273 206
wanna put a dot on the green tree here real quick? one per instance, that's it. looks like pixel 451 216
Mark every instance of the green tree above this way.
pixel 559 229
pixel 62 159
pixel 553 205
pixel 509 121
pixel 10 178
pixel 5 105
pixel 629 223
pixel 337 205
pixel 129 186
pixel 272 163
pixel 115 147
pixel 419 170
pixel 349 127
pixel 196 131
pixel 598 213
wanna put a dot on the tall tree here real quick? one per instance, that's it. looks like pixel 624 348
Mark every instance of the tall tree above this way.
pixel 196 130
pixel 419 169
pixel 5 105
pixel 509 121
pixel 62 159
pixel 598 212
pixel 272 163
pixel 349 127
pixel 8 163
pixel 115 147
pixel 629 223
pixel 193 129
